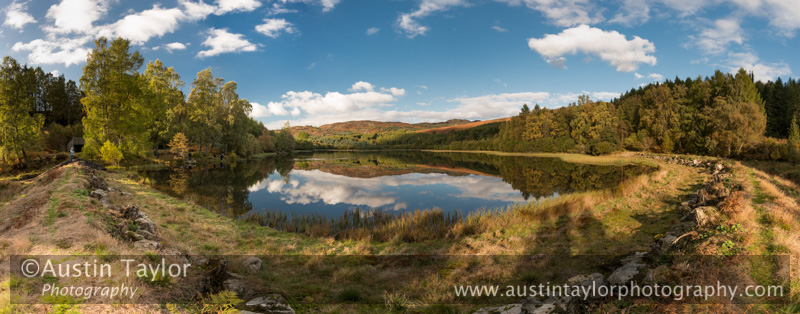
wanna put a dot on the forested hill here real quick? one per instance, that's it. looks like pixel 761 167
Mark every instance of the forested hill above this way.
pixel 366 126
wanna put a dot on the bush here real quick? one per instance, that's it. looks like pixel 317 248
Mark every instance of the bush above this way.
pixel 111 153
pixel 603 148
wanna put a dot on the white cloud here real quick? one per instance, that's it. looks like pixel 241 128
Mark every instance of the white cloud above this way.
pixel 196 10
pixel 652 76
pixel 221 41
pixel 408 23
pixel 327 5
pixel 140 27
pixel 499 29
pixel 394 91
pixel 686 7
pixel 273 27
pixel 362 86
pixel 279 9
pixel 632 12
pixel 59 51
pixel 562 13
pixel 761 71
pixel 716 39
pixel 16 17
pixel 75 16
pixel 784 14
pixel 226 6
pixel 55 73
pixel 175 46
pixel 611 46
pixel 372 30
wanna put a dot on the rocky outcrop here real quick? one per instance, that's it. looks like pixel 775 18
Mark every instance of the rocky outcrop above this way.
pixel 698 212
pixel 270 304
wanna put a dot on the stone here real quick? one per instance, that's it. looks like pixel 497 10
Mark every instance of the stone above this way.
pixel 133 235
pixel 252 264
pixel 146 224
pixel 99 194
pixel 125 194
pixel 146 245
pixel 633 270
pixel 130 212
pixel 145 234
pixel 273 304
pixel 719 167
pixel 591 281
pixel 235 285
pixel 705 215
pixel 503 309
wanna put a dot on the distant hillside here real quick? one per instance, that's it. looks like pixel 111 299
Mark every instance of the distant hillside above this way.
pixel 366 126
pixel 459 127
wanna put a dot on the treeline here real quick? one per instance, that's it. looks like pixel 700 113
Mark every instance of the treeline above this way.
pixel 124 113
pixel 37 111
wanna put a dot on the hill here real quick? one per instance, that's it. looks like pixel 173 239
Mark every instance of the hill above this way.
pixel 366 126
pixel 459 127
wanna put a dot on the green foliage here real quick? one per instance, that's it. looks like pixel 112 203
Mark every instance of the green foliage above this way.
pixel 111 153
pixel 284 141
pixel 179 146
pixel 223 302
pixel 19 128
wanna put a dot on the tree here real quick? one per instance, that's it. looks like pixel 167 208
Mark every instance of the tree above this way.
pixel 162 94
pixel 179 146
pixel 205 110
pixel 113 102
pixel 111 153
pixel 525 110
pixel 19 129
pixel 284 141
pixel 265 139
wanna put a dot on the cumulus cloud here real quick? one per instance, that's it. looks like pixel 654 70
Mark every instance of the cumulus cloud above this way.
pixel 225 6
pixel 407 22
pixel 610 46
pixel 761 71
pixel 715 40
pixel 196 10
pixel 221 41
pixel 362 86
pixel 394 91
pixel 274 27
pixel 277 9
pixel 59 51
pixel 372 30
pixel 16 15
pixel 175 46
pixel 784 14
pixel 562 13
pixel 75 16
pixel 140 27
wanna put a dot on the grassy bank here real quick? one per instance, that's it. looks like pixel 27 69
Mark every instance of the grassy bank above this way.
pixel 54 215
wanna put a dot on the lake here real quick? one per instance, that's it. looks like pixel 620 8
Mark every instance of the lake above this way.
pixel 330 184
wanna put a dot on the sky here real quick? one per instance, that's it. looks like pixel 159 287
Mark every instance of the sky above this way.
pixel 312 62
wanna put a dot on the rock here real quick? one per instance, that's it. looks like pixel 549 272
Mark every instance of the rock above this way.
pixel 99 194
pixel 503 309
pixel 247 312
pixel 562 304
pixel 235 285
pixel 146 224
pixel 655 275
pixel 719 167
pixel 125 194
pixel 591 281
pixel 633 270
pixel 170 251
pixel 145 234
pixel 133 235
pixel 705 215
pixel 274 304
pixel 252 264
pixel 130 212
pixel 146 245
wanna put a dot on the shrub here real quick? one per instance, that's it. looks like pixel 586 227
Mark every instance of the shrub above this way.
pixel 111 153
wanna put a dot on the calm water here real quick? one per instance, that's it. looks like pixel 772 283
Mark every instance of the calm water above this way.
pixel 334 182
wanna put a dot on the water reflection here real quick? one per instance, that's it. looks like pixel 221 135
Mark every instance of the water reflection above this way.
pixel 329 184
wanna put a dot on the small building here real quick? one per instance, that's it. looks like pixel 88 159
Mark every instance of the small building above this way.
pixel 77 143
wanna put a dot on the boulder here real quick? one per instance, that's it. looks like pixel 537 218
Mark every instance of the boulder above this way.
pixel 146 224
pixel 503 309
pixel 591 281
pixel 705 215
pixel 146 245
pixel 145 234
pixel 273 304
pixel 235 285
pixel 133 235
pixel 130 212
pixel 632 270
pixel 252 264
pixel 99 194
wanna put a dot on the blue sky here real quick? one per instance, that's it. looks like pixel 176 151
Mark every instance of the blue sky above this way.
pixel 313 62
